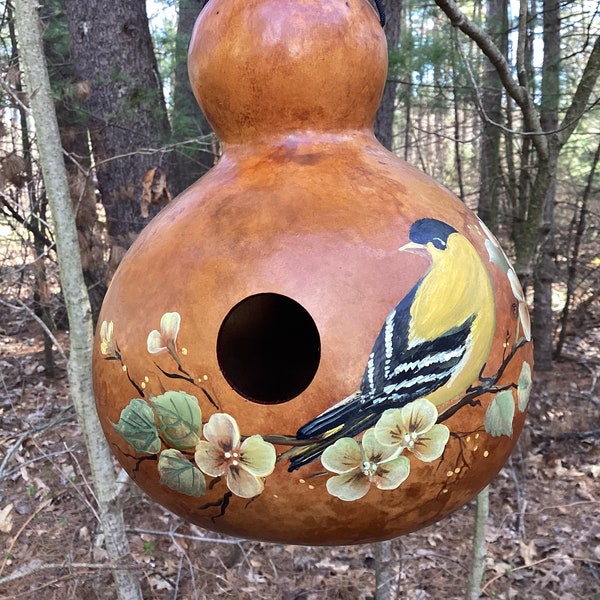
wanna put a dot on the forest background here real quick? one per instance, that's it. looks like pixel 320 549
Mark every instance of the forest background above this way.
pixel 497 100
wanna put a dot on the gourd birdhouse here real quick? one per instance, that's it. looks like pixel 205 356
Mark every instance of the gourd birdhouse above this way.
pixel 315 343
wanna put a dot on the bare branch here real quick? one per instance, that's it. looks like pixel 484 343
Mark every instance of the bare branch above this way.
pixel 196 538
pixel 521 43
pixel 47 331
pixel 582 94
pixel 37 568
pixel 518 92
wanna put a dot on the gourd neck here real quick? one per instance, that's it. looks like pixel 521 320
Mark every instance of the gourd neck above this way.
pixel 299 139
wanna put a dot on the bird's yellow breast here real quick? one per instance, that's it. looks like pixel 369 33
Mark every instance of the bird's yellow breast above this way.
pixel 456 288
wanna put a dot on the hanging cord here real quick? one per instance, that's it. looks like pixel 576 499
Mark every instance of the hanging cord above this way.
pixel 381 12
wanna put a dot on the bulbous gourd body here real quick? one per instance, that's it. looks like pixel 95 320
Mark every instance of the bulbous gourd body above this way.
pixel 315 343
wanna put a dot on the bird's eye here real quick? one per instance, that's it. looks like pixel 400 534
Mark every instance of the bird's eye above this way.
pixel 439 243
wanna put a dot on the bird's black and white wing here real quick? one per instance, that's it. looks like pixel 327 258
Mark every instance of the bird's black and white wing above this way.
pixel 396 374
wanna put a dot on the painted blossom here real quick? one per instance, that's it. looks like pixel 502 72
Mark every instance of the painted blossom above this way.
pixel 517 290
pixel 499 258
pixel 166 338
pixel 358 466
pixel 108 346
pixel 414 427
pixel 243 463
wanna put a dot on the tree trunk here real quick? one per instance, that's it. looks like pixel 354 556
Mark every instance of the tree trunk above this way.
pixel 479 547
pixel 384 572
pixel 542 325
pixel 384 120
pixel 74 290
pixel 73 125
pixel 491 105
pixel 113 55
pixel 193 159
pixel 579 223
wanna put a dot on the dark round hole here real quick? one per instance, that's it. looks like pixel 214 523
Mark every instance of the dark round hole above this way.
pixel 268 348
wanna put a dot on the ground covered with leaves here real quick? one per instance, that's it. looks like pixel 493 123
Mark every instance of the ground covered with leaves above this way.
pixel 543 532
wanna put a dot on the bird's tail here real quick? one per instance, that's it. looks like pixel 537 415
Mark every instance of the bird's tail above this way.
pixel 302 455
pixel 328 421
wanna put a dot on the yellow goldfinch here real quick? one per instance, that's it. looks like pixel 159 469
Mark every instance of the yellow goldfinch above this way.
pixel 434 344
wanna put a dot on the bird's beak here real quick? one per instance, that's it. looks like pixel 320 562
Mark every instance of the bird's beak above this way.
pixel 413 248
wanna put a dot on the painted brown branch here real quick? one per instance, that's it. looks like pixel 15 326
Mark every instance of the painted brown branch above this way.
pixel 209 397
pixel 488 386
pixel 517 91
pixel 186 377
pixel 223 504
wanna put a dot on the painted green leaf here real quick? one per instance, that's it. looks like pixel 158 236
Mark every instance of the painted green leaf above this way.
pixel 524 386
pixel 179 418
pixel 499 415
pixel 136 424
pixel 179 474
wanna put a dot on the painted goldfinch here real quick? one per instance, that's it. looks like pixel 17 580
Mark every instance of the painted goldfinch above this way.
pixel 434 344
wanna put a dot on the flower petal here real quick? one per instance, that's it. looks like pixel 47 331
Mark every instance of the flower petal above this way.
pixel 242 483
pixel 106 330
pixel 343 456
pixel 209 459
pixel 106 336
pixel 389 430
pixel 525 320
pixel 497 255
pixel 348 486
pixel 392 473
pixel 155 342
pixel 515 285
pixel 169 325
pixel 222 431
pixel 375 451
pixel 257 456
pixel 419 416
pixel 430 445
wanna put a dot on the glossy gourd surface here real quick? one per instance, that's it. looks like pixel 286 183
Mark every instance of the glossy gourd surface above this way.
pixel 310 267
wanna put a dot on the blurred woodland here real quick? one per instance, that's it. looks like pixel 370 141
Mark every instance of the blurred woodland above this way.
pixel 498 100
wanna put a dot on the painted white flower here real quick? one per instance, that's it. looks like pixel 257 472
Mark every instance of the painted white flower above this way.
pixel 165 339
pixel 414 427
pixel 360 465
pixel 499 258
pixel 244 464
pixel 108 345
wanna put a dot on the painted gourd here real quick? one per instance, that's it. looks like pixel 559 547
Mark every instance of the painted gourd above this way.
pixel 315 343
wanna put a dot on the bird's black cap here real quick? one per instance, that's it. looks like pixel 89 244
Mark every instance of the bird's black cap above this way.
pixel 428 230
